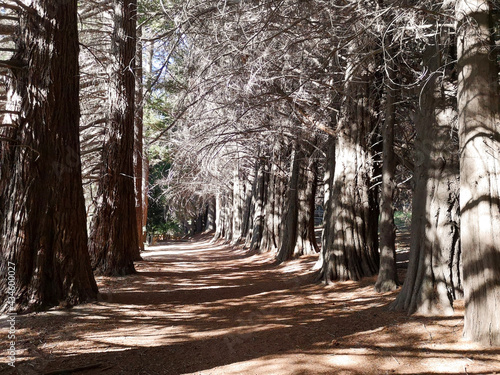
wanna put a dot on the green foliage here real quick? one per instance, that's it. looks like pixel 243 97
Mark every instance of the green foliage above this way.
pixel 402 219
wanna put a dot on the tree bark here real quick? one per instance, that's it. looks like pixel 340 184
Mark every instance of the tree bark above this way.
pixel 478 110
pixel 138 150
pixel 387 279
pixel 258 217
pixel 433 277
pixel 290 220
pixel 42 210
pixel 210 223
pixel 238 201
pixel 306 238
pixel 114 239
pixel 350 219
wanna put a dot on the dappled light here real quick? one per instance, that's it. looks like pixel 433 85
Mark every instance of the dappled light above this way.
pixel 197 307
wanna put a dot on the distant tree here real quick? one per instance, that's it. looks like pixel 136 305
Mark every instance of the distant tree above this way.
pixel 42 226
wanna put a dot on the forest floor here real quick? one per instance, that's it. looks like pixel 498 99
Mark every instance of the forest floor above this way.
pixel 201 308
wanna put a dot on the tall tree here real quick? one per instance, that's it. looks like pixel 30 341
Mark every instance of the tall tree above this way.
pixel 433 282
pixel 43 226
pixel 387 279
pixel 478 114
pixel 352 252
pixel 114 238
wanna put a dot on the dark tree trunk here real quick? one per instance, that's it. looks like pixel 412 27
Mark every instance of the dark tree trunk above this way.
pixel 290 220
pixel 114 239
pixel 433 277
pixel 387 279
pixel 351 220
pixel 42 210
pixel 479 118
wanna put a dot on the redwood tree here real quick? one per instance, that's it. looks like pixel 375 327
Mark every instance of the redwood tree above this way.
pixel 114 238
pixel 433 281
pixel 42 211
pixel 350 248
pixel 478 111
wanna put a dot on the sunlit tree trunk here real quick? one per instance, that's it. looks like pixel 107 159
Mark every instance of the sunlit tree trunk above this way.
pixel 210 223
pixel 139 149
pixel 432 281
pixel 42 211
pixel 351 221
pixel 114 239
pixel 387 279
pixel 479 125
pixel 258 215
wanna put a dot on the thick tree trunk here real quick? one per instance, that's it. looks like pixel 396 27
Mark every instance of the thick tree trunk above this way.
pixel 350 219
pixel 387 279
pixel 271 217
pixel 327 235
pixel 433 277
pixel 43 237
pixel 114 239
pixel 290 220
pixel 306 239
pixel 479 119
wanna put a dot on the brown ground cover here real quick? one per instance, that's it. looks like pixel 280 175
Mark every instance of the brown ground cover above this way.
pixel 199 308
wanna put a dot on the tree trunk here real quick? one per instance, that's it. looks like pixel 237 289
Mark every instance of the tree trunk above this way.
pixel 327 235
pixel 478 110
pixel 290 222
pixel 433 277
pixel 353 254
pixel 219 224
pixel 238 201
pixel 210 223
pixel 306 239
pixel 271 216
pixel 258 218
pixel 350 221
pixel 114 240
pixel 250 189
pixel 43 236
pixel 387 279
pixel 138 149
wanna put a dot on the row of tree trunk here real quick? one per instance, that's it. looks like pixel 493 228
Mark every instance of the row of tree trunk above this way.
pixel 43 212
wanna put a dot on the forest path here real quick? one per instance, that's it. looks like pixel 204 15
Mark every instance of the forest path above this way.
pixel 202 308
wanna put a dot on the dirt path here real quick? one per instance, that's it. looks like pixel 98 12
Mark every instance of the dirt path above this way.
pixel 196 308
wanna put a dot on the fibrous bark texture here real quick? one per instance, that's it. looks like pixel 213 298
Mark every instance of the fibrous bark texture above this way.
pixel 478 110
pixel 387 279
pixel 350 246
pixel 43 227
pixel 433 279
pixel 114 238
